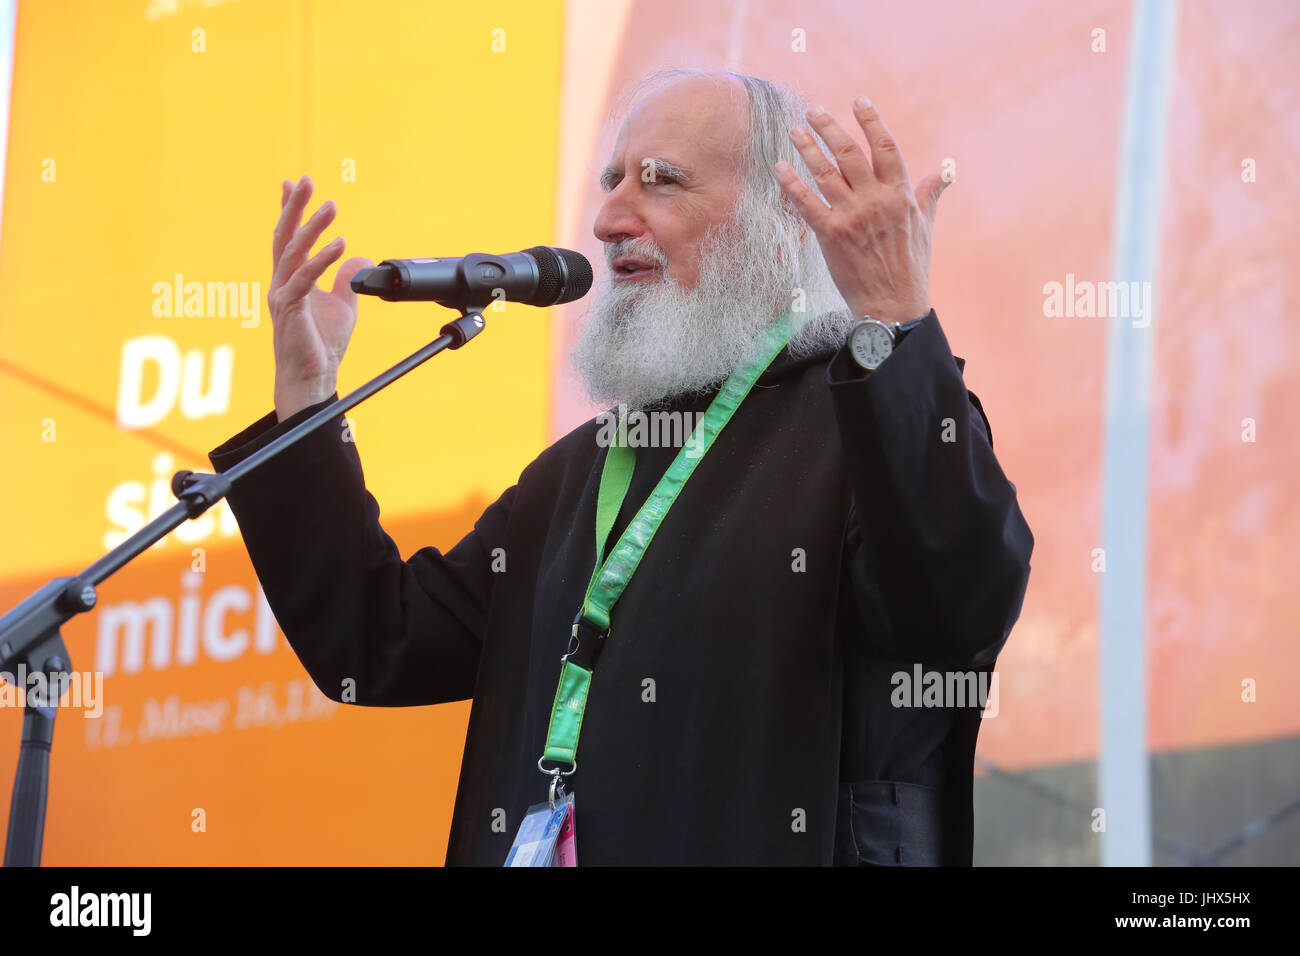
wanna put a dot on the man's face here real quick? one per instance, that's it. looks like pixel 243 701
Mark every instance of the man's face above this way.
pixel 723 259
pixel 672 176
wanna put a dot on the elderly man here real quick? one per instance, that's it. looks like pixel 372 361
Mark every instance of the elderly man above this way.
pixel 741 621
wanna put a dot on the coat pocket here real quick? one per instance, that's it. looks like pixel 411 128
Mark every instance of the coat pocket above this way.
pixel 889 823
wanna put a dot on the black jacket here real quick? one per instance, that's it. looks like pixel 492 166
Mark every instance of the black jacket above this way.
pixel 842 529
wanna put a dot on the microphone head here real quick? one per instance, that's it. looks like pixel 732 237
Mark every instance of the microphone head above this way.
pixel 379 280
pixel 564 275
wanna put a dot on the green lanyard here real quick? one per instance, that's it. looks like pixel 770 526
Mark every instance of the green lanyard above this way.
pixel 610 577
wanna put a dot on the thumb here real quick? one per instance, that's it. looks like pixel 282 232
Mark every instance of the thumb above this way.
pixel 343 280
pixel 928 193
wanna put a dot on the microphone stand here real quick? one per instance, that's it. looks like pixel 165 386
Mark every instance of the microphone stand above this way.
pixel 30 641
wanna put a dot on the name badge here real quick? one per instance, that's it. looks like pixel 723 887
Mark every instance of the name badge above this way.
pixel 540 836
pixel 566 849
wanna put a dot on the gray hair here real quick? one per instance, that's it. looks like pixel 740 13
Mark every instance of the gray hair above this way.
pixel 774 110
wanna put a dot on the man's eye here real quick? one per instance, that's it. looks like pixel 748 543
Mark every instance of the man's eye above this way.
pixel 667 179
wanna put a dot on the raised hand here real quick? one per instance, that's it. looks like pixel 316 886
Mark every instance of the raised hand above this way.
pixel 312 327
pixel 875 234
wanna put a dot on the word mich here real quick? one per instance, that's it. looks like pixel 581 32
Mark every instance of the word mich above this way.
pixel 85 690
pixel 945 689
pixel 178 633
pixel 638 429
pixel 208 300
pixel 102 909
pixel 1098 300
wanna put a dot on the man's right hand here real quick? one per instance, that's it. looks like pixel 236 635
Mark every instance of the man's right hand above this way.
pixel 312 327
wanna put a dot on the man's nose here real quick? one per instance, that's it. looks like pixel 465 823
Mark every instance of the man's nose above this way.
pixel 617 221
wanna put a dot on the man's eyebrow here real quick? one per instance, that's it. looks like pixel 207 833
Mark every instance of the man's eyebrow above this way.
pixel 659 168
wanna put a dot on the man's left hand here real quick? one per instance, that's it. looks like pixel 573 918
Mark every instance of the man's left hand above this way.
pixel 875 234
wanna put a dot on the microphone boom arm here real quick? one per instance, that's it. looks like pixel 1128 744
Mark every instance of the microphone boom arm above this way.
pixel 30 636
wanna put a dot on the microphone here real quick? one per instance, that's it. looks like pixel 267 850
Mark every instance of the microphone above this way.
pixel 538 276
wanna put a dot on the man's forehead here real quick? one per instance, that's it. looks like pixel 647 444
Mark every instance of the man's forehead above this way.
pixel 693 121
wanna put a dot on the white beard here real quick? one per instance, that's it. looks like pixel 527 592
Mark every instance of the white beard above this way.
pixel 650 340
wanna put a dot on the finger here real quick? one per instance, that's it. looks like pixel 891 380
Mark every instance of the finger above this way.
pixel 291 208
pixel 295 251
pixel 805 201
pixel 853 162
pixel 304 278
pixel 928 193
pixel 886 157
pixel 826 174
pixel 286 188
pixel 290 217
pixel 342 289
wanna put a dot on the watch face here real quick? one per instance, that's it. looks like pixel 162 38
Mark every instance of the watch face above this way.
pixel 870 344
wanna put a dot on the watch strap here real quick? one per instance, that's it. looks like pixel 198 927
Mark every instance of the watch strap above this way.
pixel 905 327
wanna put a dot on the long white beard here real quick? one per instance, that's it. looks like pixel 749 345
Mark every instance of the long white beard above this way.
pixel 651 340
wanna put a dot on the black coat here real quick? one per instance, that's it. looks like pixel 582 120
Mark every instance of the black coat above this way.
pixel 844 527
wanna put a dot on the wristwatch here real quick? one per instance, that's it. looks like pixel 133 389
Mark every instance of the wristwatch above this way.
pixel 873 341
